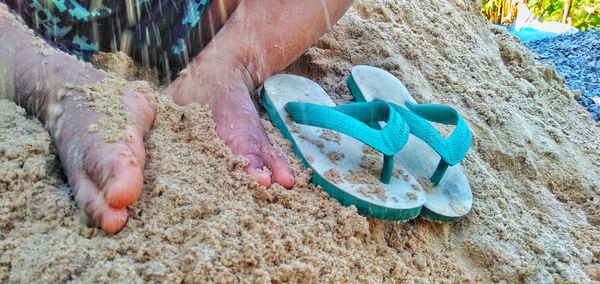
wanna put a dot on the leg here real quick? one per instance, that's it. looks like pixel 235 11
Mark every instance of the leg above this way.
pixel 105 177
pixel 259 39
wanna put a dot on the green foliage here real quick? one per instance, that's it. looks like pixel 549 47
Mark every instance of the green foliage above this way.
pixel 584 14
pixel 490 6
pixel 549 10
pixel 499 11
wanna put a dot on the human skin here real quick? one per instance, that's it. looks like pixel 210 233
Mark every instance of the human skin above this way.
pixel 102 177
pixel 255 39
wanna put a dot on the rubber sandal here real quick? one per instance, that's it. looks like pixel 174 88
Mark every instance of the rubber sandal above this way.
pixel 331 140
pixel 428 156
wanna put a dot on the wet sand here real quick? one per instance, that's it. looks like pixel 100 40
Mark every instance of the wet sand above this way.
pixel 534 170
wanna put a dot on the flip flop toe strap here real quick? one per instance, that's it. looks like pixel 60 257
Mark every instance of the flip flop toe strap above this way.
pixel 351 119
pixel 451 149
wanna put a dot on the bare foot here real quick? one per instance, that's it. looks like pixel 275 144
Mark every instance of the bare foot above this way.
pixel 226 88
pixel 105 177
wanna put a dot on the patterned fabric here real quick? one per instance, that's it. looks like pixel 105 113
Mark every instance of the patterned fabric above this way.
pixel 159 33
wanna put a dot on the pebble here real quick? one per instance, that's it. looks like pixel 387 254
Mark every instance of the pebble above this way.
pixel 577 59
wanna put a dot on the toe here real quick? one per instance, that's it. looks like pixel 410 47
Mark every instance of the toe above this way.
pixel 127 182
pixel 117 174
pixel 263 177
pixel 125 186
pixel 89 198
pixel 117 170
pixel 106 177
pixel 255 168
pixel 113 220
pixel 238 124
pixel 281 170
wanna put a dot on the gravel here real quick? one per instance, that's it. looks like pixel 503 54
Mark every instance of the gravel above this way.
pixel 576 58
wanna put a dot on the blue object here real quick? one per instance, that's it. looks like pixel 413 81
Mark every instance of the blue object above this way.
pixel 530 34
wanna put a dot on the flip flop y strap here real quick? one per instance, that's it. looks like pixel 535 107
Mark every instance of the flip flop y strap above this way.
pixel 451 149
pixel 352 119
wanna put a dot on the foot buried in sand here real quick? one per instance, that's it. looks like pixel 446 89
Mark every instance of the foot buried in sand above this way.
pixel 98 129
pixel 226 89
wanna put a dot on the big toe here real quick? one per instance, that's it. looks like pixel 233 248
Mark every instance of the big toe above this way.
pixel 117 169
pixel 125 187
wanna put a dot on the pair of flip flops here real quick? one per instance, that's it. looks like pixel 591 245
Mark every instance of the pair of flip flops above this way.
pixel 344 145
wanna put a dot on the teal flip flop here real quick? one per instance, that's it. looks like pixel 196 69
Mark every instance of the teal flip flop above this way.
pixel 428 156
pixel 341 149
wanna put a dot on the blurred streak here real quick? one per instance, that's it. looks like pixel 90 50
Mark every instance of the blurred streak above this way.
pixel 223 11
pixel 145 57
pixel 7 86
pixel 95 5
pixel 166 66
pixel 211 25
pixel 95 33
pixel 125 42
pixel 327 16
pixel 130 12
pixel 138 10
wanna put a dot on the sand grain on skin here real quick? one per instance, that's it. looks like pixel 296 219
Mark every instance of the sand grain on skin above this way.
pixel 104 97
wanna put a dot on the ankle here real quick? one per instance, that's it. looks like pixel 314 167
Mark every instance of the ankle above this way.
pixel 231 64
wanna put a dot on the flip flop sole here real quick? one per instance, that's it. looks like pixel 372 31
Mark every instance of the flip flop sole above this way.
pixel 336 159
pixel 452 197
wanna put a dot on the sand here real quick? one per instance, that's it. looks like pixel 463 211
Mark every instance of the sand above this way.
pixel 534 169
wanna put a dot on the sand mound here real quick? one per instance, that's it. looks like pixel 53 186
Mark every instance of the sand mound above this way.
pixel 535 172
